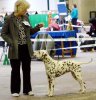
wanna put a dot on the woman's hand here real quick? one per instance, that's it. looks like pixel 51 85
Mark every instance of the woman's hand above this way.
pixel 40 25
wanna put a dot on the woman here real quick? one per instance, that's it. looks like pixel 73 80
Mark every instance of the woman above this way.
pixel 53 26
pixel 16 32
pixel 74 15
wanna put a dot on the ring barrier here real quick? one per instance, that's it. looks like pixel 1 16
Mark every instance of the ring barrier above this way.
pixel 79 40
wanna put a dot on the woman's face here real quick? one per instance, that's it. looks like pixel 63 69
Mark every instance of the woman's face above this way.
pixel 22 11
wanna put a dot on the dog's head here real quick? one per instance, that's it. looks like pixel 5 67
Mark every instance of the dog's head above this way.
pixel 40 54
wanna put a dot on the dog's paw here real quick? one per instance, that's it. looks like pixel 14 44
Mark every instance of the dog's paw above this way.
pixel 82 91
pixel 50 95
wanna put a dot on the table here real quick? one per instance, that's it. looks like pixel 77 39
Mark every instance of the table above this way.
pixel 61 34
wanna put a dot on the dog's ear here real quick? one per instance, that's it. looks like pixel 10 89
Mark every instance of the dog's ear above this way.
pixel 45 51
pixel 35 51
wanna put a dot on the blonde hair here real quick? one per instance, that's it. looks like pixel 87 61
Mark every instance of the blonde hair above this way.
pixel 69 27
pixel 21 5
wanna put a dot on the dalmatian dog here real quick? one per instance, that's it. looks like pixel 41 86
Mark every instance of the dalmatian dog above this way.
pixel 55 68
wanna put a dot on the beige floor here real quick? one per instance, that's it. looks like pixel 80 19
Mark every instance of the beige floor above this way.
pixel 66 88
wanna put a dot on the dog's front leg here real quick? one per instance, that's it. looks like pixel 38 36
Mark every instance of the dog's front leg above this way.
pixel 51 86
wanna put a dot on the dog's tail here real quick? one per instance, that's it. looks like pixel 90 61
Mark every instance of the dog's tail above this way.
pixel 86 62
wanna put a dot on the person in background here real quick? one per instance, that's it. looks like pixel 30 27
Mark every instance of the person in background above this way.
pixel 92 32
pixel 62 21
pixel 16 32
pixel 5 16
pixel 74 16
pixel 1 20
pixel 67 6
pixel 69 26
pixel 53 26
pixel 28 14
pixel 36 12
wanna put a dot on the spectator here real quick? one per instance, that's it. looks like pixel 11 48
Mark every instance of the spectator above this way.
pixel 92 31
pixel 68 9
pixel 69 27
pixel 74 16
pixel 5 16
pixel 53 26
pixel 1 20
pixel 62 22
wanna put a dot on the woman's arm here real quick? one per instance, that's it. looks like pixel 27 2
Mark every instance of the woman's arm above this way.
pixel 36 29
pixel 5 33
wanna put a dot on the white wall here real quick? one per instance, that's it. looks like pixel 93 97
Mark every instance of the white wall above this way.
pixel 53 4
pixel 7 5
pixel 36 5
pixel 84 7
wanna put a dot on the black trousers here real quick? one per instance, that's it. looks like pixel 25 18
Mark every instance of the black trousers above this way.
pixel 74 22
pixel 25 60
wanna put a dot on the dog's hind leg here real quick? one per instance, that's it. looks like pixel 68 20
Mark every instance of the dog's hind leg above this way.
pixel 51 86
pixel 77 76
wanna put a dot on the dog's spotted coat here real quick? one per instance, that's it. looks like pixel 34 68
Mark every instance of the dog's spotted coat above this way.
pixel 55 68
